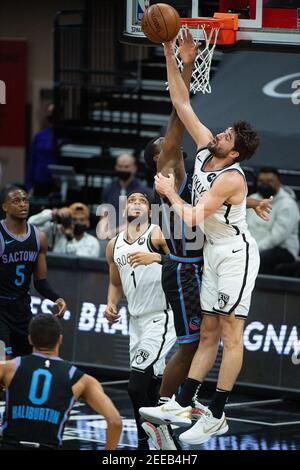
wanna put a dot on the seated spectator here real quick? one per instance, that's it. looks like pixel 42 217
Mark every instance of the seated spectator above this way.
pixel 43 153
pixel 66 230
pixel 278 238
pixel 116 194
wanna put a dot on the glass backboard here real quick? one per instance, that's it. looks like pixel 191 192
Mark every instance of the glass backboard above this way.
pixel 260 21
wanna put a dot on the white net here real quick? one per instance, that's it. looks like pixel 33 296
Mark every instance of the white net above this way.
pixel 200 76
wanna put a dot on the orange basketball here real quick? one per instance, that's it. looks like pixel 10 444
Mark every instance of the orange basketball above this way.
pixel 160 23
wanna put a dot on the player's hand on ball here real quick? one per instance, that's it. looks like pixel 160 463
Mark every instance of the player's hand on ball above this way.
pixel 62 307
pixel 163 185
pixel 111 313
pixel 264 208
pixel 141 258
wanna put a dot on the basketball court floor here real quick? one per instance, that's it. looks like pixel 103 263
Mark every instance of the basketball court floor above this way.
pixel 255 423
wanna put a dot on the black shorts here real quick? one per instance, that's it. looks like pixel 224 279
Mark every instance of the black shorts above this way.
pixel 181 283
pixel 15 316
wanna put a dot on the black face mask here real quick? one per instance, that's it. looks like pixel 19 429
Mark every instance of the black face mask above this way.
pixel 124 175
pixel 79 229
pixel 266 190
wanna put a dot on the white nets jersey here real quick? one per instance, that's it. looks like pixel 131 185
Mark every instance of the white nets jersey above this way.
pixel 141 285
pixel 229 220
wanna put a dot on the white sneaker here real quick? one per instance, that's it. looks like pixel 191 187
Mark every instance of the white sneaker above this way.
pixel 198 410
pixel 206 427
pixel 168 413
pixel 160 436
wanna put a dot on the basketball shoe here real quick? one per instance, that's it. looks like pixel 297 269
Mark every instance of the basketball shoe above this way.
pixel 206 427
pixel 160 436
pixel 168 413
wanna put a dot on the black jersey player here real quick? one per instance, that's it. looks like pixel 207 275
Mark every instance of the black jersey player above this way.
pixel 22 255
pixel 41 389
pixel 181 272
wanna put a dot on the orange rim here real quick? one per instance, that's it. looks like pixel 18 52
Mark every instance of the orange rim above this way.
pixel 208 23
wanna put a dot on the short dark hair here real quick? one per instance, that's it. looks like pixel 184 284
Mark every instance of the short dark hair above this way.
pixel 44 330
pixel 151 149
pixel 269 169
pixel 246 140
pixel 10 189
pixel 143 194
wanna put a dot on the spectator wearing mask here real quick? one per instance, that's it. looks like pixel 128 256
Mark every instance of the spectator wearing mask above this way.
pixel 278 238
pixel 124 184
pixel 66 230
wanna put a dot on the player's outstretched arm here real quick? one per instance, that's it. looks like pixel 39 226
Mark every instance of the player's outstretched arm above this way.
pixel 92 392
pixel 181 100
pixel 115 290
pixel 171 157
pixel 40 278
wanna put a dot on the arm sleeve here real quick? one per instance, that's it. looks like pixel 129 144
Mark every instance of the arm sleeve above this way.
pixel 43 287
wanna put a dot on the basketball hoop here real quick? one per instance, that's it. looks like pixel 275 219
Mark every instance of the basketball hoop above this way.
pixel 207 30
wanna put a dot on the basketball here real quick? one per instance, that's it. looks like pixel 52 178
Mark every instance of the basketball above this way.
pixel 160 23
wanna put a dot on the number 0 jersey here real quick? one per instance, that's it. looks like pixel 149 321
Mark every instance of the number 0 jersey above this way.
pixel 18 256
pixel 39 400
pixel 141 285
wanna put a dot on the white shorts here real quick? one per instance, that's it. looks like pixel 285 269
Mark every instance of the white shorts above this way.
pixel 151 336
pixel 230 268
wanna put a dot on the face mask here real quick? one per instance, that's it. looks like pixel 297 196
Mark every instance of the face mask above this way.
pixel 79 229
pixel 266 190
pixel 124 175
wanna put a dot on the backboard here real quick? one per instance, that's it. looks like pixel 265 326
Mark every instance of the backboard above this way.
pixel 270 22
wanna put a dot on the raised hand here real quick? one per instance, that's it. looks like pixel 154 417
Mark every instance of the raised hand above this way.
pixel 187 47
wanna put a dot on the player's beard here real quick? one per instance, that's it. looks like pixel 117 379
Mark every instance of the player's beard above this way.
pixel 139 219
pixel 217 153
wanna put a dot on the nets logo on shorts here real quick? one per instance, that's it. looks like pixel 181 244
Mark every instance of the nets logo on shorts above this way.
pixel 141 356
pixel 223 300
pixel 141 241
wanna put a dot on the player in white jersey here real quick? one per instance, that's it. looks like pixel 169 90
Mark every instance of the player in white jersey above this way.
pixel 151 327
pixel 231 259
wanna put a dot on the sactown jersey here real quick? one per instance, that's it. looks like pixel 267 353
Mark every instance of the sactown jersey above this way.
pixel 141 285
pixel 229 220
